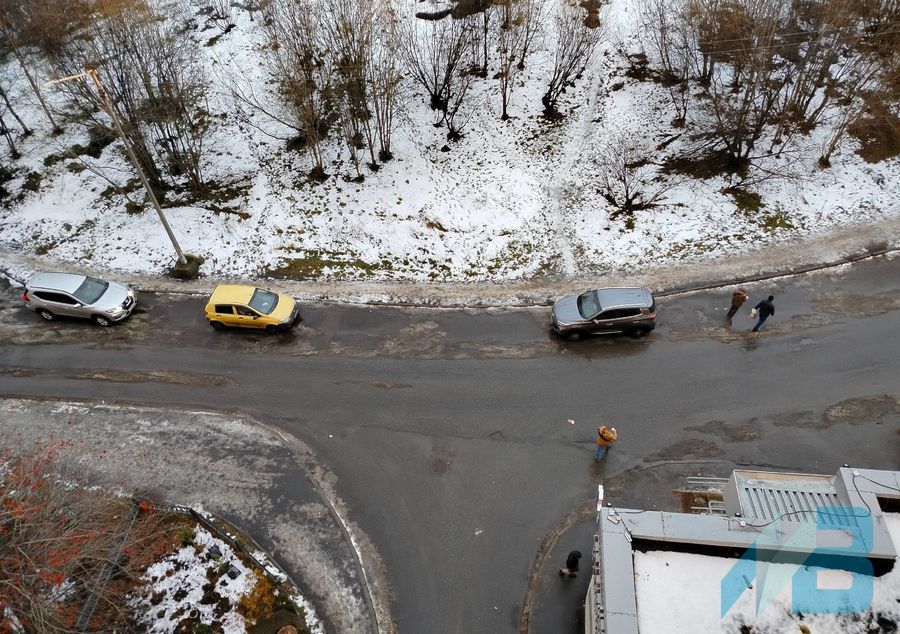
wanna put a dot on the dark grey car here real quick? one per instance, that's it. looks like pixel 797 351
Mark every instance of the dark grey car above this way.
pixel 52 295
pixel 605 311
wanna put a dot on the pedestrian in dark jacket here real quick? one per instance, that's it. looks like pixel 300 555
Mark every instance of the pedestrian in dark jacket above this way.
pixel 764 310
pixel 571 564
pixel 737 300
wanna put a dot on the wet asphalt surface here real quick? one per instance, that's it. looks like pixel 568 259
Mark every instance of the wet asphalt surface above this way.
pixel 446 429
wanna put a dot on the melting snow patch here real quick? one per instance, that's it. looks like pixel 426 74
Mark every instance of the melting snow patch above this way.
pixel 175 590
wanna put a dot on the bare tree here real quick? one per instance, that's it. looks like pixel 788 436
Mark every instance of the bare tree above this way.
pixel 768 70
pixel 220 13
pixel 575 45
pixel 437 53
pixel 511 36
pixel 349 32
pixel 742 91
pixel 7 134
pixel 155 81
pixel 862 88
pixel 385 78
pixel 629 179
pixel 299 62
pixel 668 38
pixel 6 27
pixel 9 108
pixel 533 14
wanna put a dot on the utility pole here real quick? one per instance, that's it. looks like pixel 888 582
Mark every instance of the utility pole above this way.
pixel 110 109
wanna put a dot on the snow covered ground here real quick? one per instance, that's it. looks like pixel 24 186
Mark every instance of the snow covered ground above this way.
pixel 511 200
pixel 191 584
pixel 680 592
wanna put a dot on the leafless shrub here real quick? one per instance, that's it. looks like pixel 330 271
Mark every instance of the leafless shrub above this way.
pixel 349 34
pixel 575 45
pixel 629 180
pixel 299 62
pixel 517 28
pixel 384 78
pixel 437 53
pixel 769 70
pixel 56 539
pixel 222 14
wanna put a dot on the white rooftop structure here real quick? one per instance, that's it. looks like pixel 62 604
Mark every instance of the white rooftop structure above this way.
pixel 750 545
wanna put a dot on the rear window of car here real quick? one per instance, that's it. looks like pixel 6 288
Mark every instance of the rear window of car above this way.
pixel 91 290
pixel 59 298
pixel 264 301
pixel 619 313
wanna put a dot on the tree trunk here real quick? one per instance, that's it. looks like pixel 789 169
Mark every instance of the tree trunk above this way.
pixel 6 133
pixel 34 87
pixel 25 129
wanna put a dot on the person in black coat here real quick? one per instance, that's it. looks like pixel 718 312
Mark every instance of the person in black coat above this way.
pixel 764 310
pixel 571 564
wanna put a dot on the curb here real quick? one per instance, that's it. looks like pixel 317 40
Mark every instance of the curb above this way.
pixel 806 254
pixel 376 605
pixel 773 275
pixel 169 287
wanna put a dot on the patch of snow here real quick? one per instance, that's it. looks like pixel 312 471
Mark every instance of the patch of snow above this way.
pixel 271 568
pixel 185 573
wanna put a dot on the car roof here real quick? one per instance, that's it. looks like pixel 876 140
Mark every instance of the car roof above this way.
pixel 232 294
pixel 66 282
pixel 624 298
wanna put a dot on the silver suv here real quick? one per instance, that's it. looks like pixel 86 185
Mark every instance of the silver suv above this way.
pixel 66 294
pixel 605 310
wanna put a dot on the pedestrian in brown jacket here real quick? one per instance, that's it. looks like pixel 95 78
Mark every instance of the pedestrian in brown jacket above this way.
pixel 605 437
pixel 737 300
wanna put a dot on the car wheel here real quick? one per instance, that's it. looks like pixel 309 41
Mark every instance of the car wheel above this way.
pixel 639 332
pixel 271 329
pixel 46 314
pixel 217 325
pixel 573 336
pixel 100 320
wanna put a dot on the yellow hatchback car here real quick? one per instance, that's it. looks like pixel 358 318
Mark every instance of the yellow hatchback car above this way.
pixel 251 307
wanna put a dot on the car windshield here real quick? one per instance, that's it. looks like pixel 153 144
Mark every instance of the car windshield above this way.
pixel 91 290
pixel 264 301
pixel 588 304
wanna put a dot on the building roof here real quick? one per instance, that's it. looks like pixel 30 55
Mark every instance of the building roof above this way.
pixel 828 510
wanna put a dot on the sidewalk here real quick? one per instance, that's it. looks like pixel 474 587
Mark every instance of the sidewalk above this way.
pixel 228 465
pixel 774 260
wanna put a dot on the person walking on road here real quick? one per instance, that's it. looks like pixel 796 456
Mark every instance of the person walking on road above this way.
pixel 763 310
pixel 606 436
pixel 737 300
pixel 571 564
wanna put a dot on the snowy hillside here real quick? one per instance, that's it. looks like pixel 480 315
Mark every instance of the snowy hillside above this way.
pixel 511 199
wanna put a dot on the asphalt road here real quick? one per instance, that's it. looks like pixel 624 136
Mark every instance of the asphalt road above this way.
pixel 446 430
